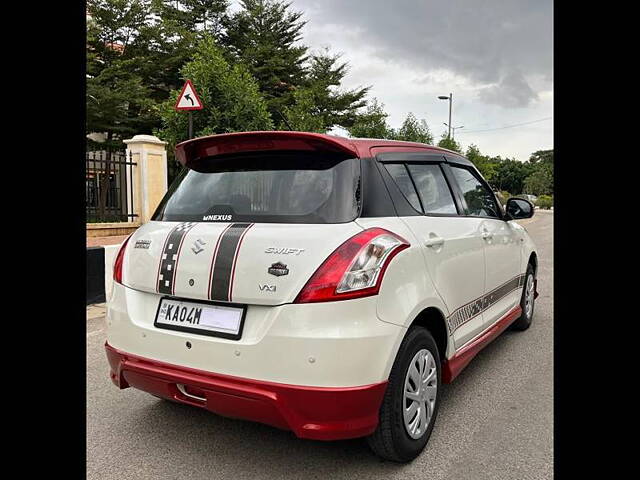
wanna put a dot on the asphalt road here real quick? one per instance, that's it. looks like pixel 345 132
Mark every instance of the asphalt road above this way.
pixel 495 420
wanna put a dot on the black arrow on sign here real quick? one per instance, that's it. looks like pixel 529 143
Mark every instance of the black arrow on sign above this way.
pixel 188 97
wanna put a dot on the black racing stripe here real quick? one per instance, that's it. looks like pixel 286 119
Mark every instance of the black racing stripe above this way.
pixel 474 308
pixel 169 257
pixel 223 262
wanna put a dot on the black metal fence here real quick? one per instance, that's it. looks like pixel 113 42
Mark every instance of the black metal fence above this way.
pixel 109 191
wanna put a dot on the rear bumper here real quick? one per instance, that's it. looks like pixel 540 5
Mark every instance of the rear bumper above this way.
pixel 318 413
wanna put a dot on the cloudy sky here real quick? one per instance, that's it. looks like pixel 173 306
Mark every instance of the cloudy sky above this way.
pixel 495 56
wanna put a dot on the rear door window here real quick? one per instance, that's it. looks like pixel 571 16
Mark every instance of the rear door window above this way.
pixel 424 186
pixel 285 187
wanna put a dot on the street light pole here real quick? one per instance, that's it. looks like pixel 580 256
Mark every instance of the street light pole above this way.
pixel 450 98
pixel 450 105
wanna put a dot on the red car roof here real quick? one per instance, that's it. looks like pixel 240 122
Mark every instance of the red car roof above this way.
pixel 227 143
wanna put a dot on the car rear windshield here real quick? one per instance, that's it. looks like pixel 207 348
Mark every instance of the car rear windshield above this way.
pixel 276 188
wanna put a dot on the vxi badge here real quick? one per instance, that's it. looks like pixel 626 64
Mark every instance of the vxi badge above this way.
pixel 278 269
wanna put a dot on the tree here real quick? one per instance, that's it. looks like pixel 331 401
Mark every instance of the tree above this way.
pixel 484 164
pixel 449 143
pixel 304 114
pixel 265 35
pixel 372 123
pixel 320 101
pixel 544 157
pixel 324 78
pixel 231 98
pixel 413 130
pixel 540 182
pixel 117 99
pixel 510 175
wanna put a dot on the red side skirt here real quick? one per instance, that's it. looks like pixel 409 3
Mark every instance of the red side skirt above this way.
pixel 452 367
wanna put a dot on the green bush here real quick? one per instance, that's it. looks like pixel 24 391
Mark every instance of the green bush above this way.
pixel 545 201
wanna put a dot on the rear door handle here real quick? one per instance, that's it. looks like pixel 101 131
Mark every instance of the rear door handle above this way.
pixel 434 241
pixel 487 235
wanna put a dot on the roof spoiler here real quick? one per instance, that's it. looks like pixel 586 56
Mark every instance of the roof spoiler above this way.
pixel 191 151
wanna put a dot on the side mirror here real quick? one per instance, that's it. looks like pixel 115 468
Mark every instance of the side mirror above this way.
pixel 518 208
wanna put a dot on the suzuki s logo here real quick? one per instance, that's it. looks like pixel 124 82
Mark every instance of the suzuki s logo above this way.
pixel 266 288
pixel 197 246
pixel 216 218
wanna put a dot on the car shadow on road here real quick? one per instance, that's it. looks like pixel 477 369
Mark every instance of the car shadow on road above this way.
pixel 245 446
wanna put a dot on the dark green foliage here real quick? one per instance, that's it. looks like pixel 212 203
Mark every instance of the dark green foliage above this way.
pixel 449 143
pixel 482 162
pixel 540 181
pixel 264 35
pixel 510 175
pixel 319 104
pixel 118 101
pixel 413 130
pixel 372 123
pixel 545 201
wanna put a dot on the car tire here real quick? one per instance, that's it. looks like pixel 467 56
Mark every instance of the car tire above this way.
pixel 528 295
pixel 392 439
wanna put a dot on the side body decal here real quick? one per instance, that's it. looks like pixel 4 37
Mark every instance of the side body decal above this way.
pixel 474 308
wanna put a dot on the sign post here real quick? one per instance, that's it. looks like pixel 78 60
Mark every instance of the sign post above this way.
pixel 188 100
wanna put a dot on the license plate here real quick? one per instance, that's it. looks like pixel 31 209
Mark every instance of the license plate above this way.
pixel 202 318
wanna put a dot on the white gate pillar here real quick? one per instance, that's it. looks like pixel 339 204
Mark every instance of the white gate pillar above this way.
pixel 149 175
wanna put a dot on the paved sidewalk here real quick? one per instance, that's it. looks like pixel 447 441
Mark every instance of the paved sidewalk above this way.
pixel 96 310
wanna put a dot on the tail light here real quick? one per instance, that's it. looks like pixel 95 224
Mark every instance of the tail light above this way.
pixel 355 269
pixel 117 265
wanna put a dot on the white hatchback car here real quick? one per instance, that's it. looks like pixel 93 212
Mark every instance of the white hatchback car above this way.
pixel 319 284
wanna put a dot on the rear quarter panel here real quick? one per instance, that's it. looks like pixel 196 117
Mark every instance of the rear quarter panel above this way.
pixel 407 288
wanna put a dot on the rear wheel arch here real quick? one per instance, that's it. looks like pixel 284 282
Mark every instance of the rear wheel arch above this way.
pixel 434 320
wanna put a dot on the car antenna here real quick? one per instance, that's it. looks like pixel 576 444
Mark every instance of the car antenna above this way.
pixel 284 119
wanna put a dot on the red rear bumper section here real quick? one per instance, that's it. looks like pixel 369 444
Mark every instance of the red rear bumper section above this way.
pixel 318 413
